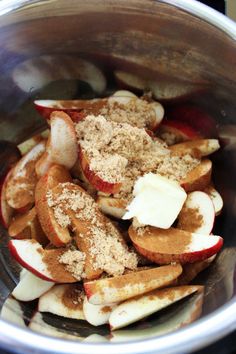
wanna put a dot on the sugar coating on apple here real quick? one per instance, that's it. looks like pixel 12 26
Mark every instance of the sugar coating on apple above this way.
pixel 216 198
pixel 135 309
pixel 153 196
pixel 97 315
pixel 198 178
pixel 64 300
pixel 30 287
pixel 5 210
pixel 197 214
pixel 174 245
pixel 197 148
pixel 11 311
pixel 117 289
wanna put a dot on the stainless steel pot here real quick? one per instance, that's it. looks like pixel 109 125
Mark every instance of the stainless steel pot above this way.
pixel 181 44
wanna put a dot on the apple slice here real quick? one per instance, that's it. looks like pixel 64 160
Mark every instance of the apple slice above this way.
pixel 196 148
pixel 31 287
pixel 33 74
pixel 195 117
pixel 63 300
pixel 173 132
pixel 21 183
pixel 137 308
pixel 58 235
pixel 5 210
pixel 197 214
pixel 97 315
pixel 28 144
pixel 96 181
pixel 11 311
pixel 178 317
pixel 112 206
pixel 190 271
pixel 42 263
pixel 116 289
pixel 216 198
pixel 198 178
pixel 173 245
pixel 37 324
pixel 26 226
pixel 62 146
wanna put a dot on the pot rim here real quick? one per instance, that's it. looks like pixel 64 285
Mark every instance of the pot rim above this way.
pixel 195 336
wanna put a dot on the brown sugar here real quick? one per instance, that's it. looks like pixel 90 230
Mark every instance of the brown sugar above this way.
pixel 74 261
pixel 119 152
pixel 189 219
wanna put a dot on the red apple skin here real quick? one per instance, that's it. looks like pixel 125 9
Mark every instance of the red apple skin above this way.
pixel 96 181
pixel 14 253
pixel 184 131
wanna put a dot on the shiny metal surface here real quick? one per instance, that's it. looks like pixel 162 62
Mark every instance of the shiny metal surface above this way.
pixel 180 44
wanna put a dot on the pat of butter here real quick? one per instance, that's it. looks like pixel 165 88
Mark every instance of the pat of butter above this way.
pixel 157 201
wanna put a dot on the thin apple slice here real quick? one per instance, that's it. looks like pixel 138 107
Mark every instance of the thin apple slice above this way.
pixel 190 271
pixel 116 289
pixel 11 311
pixel 42 263
pixel 37 324
pixel 26 226
pixel 33 74
pixel 6 211
pixel 97 315
pixel 63 300
pixel 112 206
pixel 173 319
pixel 21 183
pixel 216 198
pixel 198 178
pixel 173 245
pixel 137 308
pixel 174 131
pixel 28 144
pixel 196 148
pixel 58 235
pixel 31 287
pixel 96 181
pixel 197 214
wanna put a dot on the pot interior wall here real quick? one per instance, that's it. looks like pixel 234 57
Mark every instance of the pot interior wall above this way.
pixel 191 61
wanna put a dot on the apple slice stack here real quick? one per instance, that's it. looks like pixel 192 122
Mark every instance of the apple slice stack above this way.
pixel 79 264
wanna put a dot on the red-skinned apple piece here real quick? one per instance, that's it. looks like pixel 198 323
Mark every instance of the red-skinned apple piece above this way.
pixel 116 289
pixel 112 206
pixel 56 234
pixel 42 263
pixel 197 214
pixel 173 245
pixel 199 177
pixel 197 148
pixel 137 308
pixel 216 198
pixel 173 132
pixel 5 210
pixel 22 180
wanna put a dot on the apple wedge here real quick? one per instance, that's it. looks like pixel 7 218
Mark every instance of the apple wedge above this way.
pixel 196 148
pixel 137 308
pixel 26 226
pixel 178 317
pixel 28 144
pixel 216 199
pixel 62 147
pixel 97 315
pixel 31 287
pixel 58 235
pixel 6 211
pixel 97 182
pixel 42 263
pixel 198 178
pixel 33 74
pixel 22 180
pixel 63 300
pixel 116 289
pixel 37 324
pixel 173 245
pixel 11 311
pixel 174 131
pixel 197 214
pixel 190 271
pixel 112 206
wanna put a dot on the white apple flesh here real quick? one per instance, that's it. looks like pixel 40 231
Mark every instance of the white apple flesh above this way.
pixel 97 315
pixel 198 214
pixel 216 199
pixel 140 307
pixel 12 312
